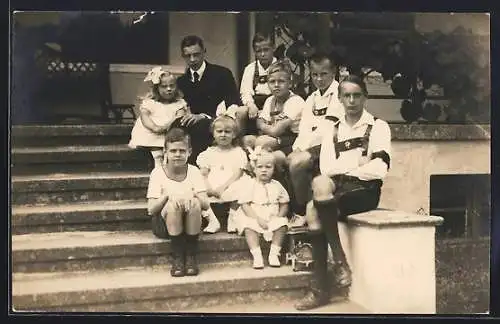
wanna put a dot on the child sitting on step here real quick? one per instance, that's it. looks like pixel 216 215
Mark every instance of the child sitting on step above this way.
pixel 176 197
pixel 158 109
pixel 222 166
pixel 279 119
pixel 264 205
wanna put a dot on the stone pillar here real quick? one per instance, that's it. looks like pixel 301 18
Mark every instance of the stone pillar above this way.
pixel 392 256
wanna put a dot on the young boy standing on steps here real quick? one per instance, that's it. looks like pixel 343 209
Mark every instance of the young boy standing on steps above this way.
pixel 176 197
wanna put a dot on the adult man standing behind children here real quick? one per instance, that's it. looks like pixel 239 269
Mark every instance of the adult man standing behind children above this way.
pixel 205 86
pixel 322 103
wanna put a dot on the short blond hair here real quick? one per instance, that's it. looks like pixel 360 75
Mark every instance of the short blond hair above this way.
pixel 281 66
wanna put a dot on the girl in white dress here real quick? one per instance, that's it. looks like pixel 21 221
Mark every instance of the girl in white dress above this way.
pixel 158 109
pixel 264 205
pixel 222 166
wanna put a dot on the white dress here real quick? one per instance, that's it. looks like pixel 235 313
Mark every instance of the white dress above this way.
pixel 222 165
pixel 161 114
pixel 264 198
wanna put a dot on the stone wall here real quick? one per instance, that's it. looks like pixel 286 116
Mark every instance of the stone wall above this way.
pixel 419 151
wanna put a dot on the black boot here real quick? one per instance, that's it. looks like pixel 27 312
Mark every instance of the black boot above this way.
pixel 177 244
pixel 328 214
pixel 318 294
pixel 192 255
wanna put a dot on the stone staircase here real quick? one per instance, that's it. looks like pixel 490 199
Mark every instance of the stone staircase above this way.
pixel 81 238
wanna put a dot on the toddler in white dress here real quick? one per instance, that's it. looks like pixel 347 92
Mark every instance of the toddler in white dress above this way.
pixel 264 205
pixel 222 166
pixel 158 109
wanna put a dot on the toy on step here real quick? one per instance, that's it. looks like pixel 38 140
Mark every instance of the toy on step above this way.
pixel 299 249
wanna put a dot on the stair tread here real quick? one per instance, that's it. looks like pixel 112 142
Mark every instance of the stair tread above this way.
pixel 99 239
pixel 80 176
pixel 79 148
pixel 138 277
pixel 283 307
pixel 22 210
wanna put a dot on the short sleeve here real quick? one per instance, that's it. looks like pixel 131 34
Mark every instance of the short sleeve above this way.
pixel 147 105
pixel 197 179
pixel 203 160
pixel 283 196
pixel 380 138
pixel 293 107
pixel 154 185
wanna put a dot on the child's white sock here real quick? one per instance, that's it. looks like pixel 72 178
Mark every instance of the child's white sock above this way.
pixel 231 221
pixel 258 260
pixel 213 223
pixel 274 253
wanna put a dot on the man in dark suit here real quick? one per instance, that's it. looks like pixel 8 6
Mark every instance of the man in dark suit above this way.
pixel 204 86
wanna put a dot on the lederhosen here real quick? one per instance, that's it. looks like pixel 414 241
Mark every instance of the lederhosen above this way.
pixel 259 99
pixel 286 140
pixel 352 194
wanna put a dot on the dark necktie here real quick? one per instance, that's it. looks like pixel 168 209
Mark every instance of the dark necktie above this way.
pixel 196 77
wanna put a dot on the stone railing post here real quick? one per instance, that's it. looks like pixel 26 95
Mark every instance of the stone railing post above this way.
pixel 392 256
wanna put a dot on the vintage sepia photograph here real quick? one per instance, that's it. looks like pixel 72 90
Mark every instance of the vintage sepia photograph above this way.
pixel 244 162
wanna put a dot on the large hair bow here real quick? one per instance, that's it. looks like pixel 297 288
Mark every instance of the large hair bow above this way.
pixel 154 75
pixel 222 110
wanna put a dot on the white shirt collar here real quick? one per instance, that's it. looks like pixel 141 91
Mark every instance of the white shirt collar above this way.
pixel 200 71
pixel 332 90
pixel 365 119
pixel 261 68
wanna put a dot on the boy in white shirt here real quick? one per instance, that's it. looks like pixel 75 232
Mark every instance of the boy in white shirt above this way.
pixel 322 103
pixel 176 197
pixel 254 88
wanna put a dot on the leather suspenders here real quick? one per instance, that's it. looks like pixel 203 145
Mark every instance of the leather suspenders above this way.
pixel 352 143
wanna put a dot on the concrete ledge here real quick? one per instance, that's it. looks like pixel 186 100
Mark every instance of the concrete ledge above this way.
pixel 392 256
pixel 440 132
pixel 381 218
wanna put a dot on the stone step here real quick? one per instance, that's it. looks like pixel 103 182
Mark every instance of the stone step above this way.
pixel 64 135
pixel 283 305
pixel 152 289
pixel 60 188
pixel 88 216
pixel 75 251
pixel 93 158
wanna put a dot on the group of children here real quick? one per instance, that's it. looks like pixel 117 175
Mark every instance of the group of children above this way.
pixel 239 169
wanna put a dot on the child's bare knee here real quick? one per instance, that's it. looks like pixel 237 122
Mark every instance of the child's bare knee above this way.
pixel 323 187
pixel 267 142
pixel 280 158
pixel 298 160
pixel 249 141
